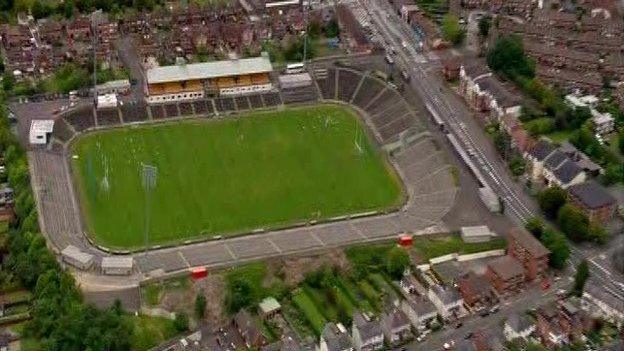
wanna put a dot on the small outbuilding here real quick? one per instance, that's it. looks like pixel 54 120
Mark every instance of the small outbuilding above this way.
pixel 77 258
pixel 117 265
pixel 476 234
pixel 269 307
pixel 40 131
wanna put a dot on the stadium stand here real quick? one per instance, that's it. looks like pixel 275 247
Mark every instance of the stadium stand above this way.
pixel 171 110
pixel 382 102
pixel 392 130
pixel 108 116
pixel 327 84
pixel 369 89
pixel 200 107
pixel 134 112
pixel 157 111
pixel 271 99
pixel 348 82
pixel 62 131
pixel 81 118
pixel 242 103
pixel 255 101
pixel 225 104
pixel 299 94
pixel 186 109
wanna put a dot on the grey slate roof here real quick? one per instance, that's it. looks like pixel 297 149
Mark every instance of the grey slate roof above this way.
pixel 422 306
pixel 367 329
pixel 519 322
pixel 542 149
pixel 567 171
pixel 336 341
pixel 465 345
pixel 555 159
pixel 592 195
pixel 395 319
pixel 447 295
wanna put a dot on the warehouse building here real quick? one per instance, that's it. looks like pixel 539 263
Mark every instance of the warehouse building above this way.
pixel 198 80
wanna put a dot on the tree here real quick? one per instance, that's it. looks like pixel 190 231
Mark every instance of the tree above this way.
pixel 597 234
pixel 621 142
pixel 573 223
pixel 451 30
pixel 398 260
pixel 535 226
pixel 332 29
pixel 484 26
pixel 8 81
pixel 507 57
pixel 557 244
pixel 550 201
pixel 580 278
pixel 181 322
pixel 200 305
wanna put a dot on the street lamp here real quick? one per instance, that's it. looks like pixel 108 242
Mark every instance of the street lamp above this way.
pixel 149 176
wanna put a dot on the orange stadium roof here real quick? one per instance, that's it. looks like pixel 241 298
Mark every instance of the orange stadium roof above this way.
pixel 207 70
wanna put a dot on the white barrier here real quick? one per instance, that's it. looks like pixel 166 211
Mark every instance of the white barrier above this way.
pixel 440 259
pixel 478 255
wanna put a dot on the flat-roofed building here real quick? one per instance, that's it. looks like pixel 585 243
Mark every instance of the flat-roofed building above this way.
pixel 594 200
pixel 524 247
pixel 40 131
pixel 197 80
pixel 77 258
pixel 117 265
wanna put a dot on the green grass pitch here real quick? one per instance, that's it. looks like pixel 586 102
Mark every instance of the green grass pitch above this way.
pixel 262 170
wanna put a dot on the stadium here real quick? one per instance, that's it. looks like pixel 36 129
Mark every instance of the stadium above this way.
pixel 328 161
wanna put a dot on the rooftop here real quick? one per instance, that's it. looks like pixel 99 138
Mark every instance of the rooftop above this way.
pixel 506 267
pixel 269 305
pixel 542 149
pixel 519 322
pixel 529 242
pixel 592 195
pixel 567 171
pixel 207 70
pixel 39 128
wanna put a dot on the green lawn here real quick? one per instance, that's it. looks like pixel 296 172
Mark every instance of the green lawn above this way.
pixel 434 246
pixel 263 170
pixel 305 304
pixel 150 331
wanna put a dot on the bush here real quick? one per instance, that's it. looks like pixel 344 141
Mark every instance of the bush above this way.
pixel 558 246
pixel 550 201
pixel 507 57
pixel 181 322
pixel 573 223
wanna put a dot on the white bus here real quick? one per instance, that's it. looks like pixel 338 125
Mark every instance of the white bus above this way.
pixel 294 68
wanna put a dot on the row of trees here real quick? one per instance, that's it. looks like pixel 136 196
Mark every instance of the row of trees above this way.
pixel 572 221
pixel 60 318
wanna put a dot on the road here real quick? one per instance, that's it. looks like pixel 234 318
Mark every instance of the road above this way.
pixel 519 206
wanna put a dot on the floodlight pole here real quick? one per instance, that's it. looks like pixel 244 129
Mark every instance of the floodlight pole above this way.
pixel 149 175
pixel 307 29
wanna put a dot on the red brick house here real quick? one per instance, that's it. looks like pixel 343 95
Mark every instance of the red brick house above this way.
pixel 475 289
pixel 506 274
pixel 529 252
pixel 593 200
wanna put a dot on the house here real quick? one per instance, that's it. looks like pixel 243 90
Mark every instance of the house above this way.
pixel 518 326
pixel 352 31
pixel 447 300
pixel 335 338
pixel 593 200
pixel 269 308
pixel 485 93
pixel 450 68
pixel 396 326
pixel 561 171
pixel 603 122
pixel 286 343
pixel 533 256
pixel 410 285
pixel 548 329
pixel 506 274
pixel 367 333
pixel 575 155
pixel 476 289
pixel 419 310
pixel 249 330
pixel 536 157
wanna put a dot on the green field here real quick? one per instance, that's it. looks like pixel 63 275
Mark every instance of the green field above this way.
pixel 265 169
